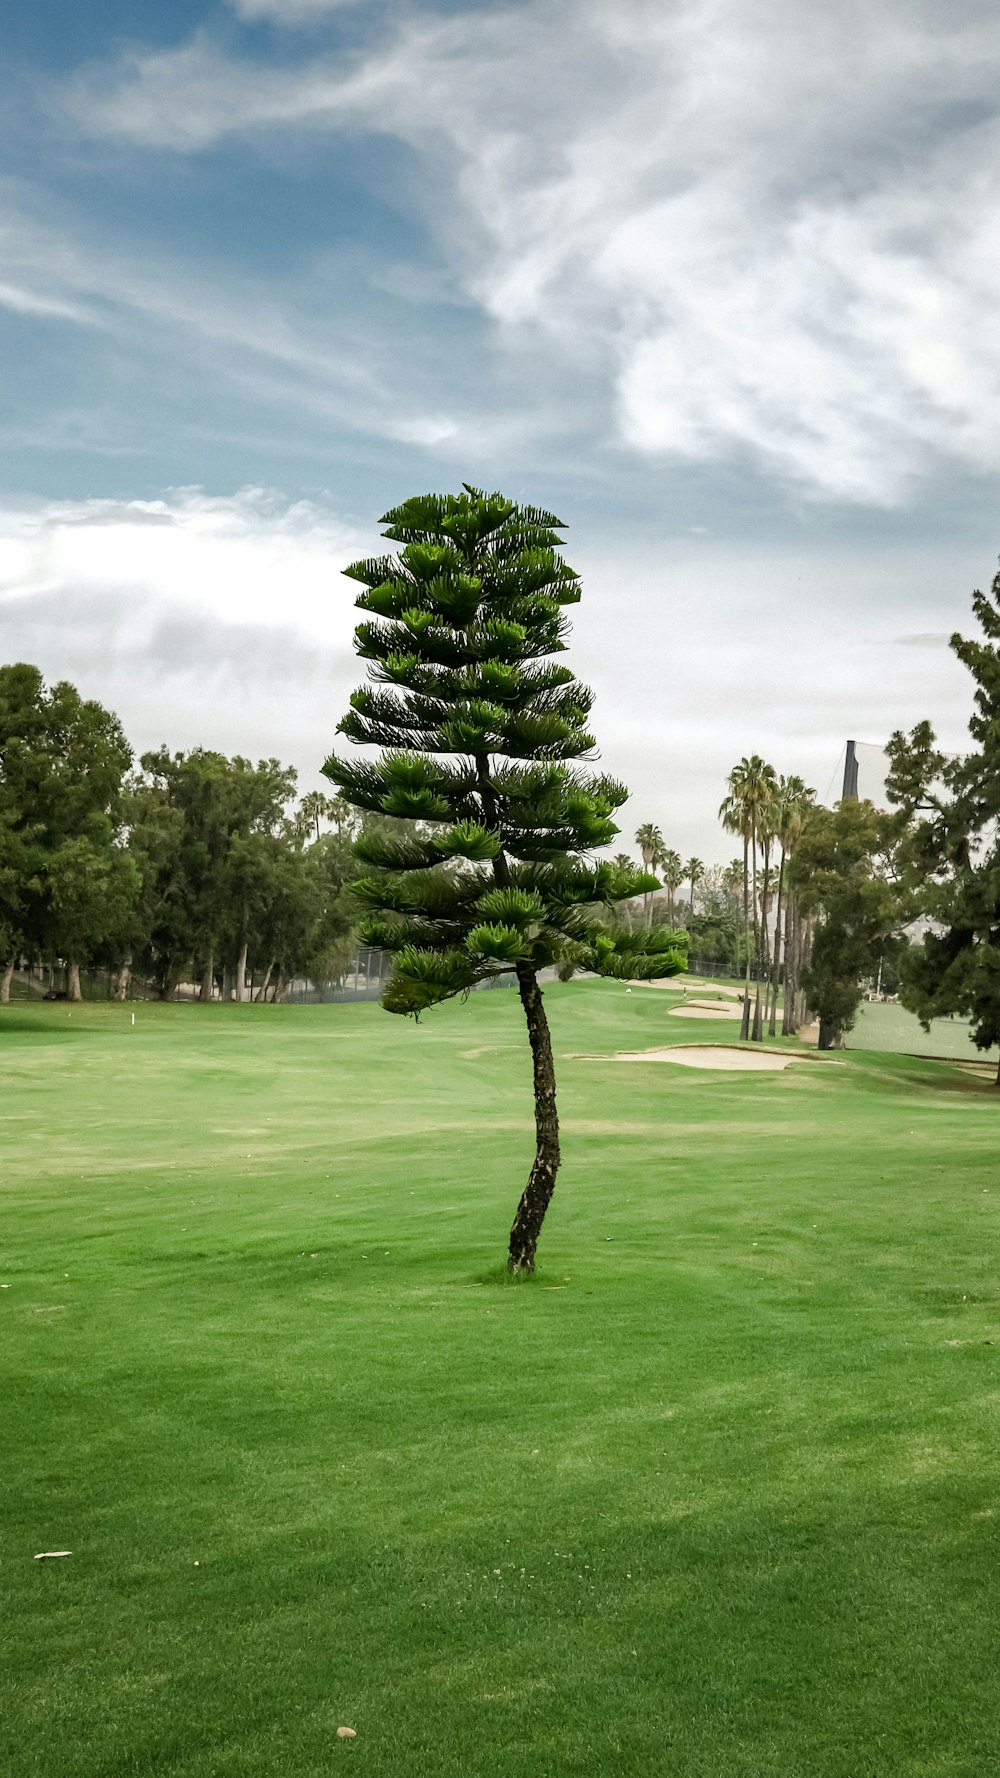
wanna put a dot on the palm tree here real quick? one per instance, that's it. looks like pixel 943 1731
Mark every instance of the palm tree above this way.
pixel 767 830
pixel 794 800
pixel 694 870
pixel 672 871
pixel 743 811
pixel 649 840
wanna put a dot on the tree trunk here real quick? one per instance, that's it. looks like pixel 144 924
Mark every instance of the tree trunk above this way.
pixel 745 1021
pixel 542 1178
pixel 830 1036
pixel 278 991
pixel 207 989
pixel 122 980
pixel 73 989
pixel 802 964
pixel 757 1031
pixel 8 976
pixel 261 993
pixel 788 1004
pixel 776 964
pixel 241 973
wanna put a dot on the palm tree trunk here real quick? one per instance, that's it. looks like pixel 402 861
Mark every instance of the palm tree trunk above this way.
pixel 773 1017
pixel 805 952
pixel 757 1032
pixel 745 1021
pixel 788 1003
pixel 542 1178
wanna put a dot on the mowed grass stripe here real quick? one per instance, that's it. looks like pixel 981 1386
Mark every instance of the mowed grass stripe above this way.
pixel 716 1493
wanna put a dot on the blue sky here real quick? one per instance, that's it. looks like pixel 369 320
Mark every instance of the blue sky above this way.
pixel 713 278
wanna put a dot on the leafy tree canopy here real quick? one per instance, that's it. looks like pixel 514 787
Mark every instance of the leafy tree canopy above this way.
pixel 950 850
pixel 482 730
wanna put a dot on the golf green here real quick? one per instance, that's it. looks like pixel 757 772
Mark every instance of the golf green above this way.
pixel 717 1494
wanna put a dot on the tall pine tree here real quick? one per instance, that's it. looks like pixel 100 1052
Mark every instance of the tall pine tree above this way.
pixel 950 853
pixel 481 732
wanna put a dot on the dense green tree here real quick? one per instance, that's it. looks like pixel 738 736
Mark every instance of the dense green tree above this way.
pixel 843 874
pixel 481 731
pixel 950 850
pixel 200 830
pixel 63 761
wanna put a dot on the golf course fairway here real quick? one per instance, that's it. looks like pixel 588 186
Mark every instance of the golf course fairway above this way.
pixel 716 1494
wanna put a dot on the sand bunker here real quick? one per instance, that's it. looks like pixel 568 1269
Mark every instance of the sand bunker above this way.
pixel 675 984
pixel 716 1055
pixel 699 1011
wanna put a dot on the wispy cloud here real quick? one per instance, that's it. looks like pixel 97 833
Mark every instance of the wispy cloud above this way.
pixel 288 12
pixel 772 230
pixel 30 302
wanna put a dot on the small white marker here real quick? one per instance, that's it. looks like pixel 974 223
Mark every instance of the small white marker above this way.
pixel 49 1555
pixel 133 1018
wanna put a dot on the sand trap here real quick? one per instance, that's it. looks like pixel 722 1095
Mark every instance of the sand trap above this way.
pixel 716 1055
pixel 698 1011
pixel 673 983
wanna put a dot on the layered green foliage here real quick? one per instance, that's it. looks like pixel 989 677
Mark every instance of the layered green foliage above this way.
pixel 482 731
pixel 66 885
pixel 950 856
pixel 843 874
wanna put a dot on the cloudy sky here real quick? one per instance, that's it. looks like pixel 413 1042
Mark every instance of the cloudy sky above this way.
pixel 714 279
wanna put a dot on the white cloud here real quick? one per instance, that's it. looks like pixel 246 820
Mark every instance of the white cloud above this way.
pixel 772 229
pixel 287 12
pixel 218 621
pixel 224 621
pixel 251 558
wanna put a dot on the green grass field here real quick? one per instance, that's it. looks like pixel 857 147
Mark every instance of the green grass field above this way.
pixel 716 1495
pixel 883 1027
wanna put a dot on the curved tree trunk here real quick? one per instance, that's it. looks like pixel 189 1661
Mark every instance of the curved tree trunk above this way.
pixel 261 993
pixel 8 976
pixel 73 990
pixel 542 1178
pixel 279 989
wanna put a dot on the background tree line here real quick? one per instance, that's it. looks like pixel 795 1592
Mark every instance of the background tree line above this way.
pixel 904 897
pixel 810 911
pixel 179 866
